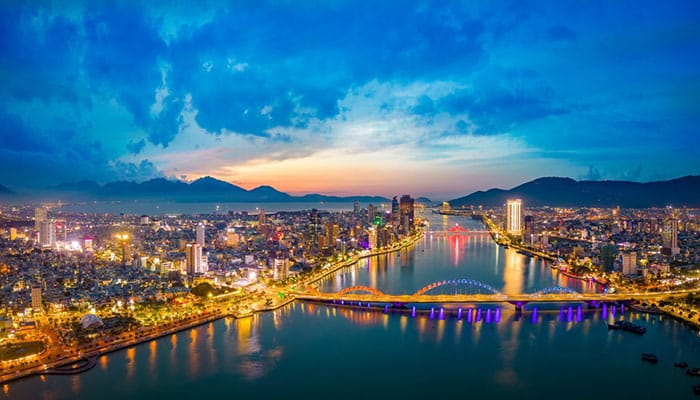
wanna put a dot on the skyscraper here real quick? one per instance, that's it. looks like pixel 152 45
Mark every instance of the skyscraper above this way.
pixel 407 213
pixel 608 253
pixel 47 233
pixel 200 235
pixel 36 298
pixel 193 254
pixel 670 238
pixel 514 217
pixel 356 208
pixel 395 214
pixel 40 214
pixel 371 213
pixel 629 263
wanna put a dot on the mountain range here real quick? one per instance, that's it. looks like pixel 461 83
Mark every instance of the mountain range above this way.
pixel 206 189
pixel 566 192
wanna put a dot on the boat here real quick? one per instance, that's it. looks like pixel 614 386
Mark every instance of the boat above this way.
pixel 649 357
pixel 693 371
pixel 680 364
pixel 627 326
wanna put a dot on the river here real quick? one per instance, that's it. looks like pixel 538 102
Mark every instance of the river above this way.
pixel 312 351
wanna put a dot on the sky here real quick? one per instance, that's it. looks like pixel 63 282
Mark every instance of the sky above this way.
pixel 430 98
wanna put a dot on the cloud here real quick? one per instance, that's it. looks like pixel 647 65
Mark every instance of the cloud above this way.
pixel 95 88
pixel 136 147
pixel 142 171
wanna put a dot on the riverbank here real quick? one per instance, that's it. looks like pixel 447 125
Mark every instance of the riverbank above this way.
pixel 357 257
pixel 142 335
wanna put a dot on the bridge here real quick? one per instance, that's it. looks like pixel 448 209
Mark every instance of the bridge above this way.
pixel 458 231
pixel 467 291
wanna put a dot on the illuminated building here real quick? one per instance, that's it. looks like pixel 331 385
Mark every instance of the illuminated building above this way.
pixel 670 238
pixel 123 239
pixel 145 220
pixel 193 255
pixel 13 233
pixel 40 215
pixel 372 238
pixel 371 213
pixel 406 210
pixel 332 232
pixel 61 230
pixel 280 268
pixel 445 206
pixel 261 218
pixel 87 244
pixel 608 253
pixel 629 263
pixel 36 298
pixel 514 217
pixel 232 238
pixel 47 233
pixel 313 228
pixel 356 208
pixel 395 213
pixel 199 235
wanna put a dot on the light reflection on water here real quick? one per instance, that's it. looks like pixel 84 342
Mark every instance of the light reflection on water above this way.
pixel 492 350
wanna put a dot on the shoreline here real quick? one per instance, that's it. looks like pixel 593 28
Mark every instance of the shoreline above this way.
pixel 89 352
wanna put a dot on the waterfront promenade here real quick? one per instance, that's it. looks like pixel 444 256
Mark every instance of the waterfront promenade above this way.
pixel 66 355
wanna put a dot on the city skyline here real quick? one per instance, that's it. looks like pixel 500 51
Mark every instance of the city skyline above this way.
pixel 437 100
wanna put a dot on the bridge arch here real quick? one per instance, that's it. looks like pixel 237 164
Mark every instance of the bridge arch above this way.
pixel 469 285
pixel 365 289
pixel 556 290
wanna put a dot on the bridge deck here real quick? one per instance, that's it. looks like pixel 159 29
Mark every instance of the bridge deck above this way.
pixel 480 298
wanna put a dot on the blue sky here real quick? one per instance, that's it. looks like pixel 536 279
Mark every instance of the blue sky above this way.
pixel 430 98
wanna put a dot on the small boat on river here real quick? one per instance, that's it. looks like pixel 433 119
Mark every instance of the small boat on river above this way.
pixel 627 326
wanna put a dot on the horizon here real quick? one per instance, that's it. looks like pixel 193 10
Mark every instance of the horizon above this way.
pixel 436 100
pixel 31 192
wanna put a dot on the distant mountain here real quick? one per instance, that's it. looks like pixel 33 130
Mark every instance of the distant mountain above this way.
pixel 206 189
pixel 424 200
pixel 566 192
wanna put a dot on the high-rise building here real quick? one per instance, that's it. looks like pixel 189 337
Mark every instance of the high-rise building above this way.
pixel 406 210
pixel 395 213
pixel 40 214
pixel 193 254
pixel 670 238
pixel 314 227
pixel 36 298
pixel 608 254
pixel 199 235
pixel 356 208
pixel 629 263
pixel 372 237
pixel 61 230
pixel 47 233
pixel 332 232
pixel 13 233
pixel 280 268
pixel 514 217
pixel 371 213
pixel 261 218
